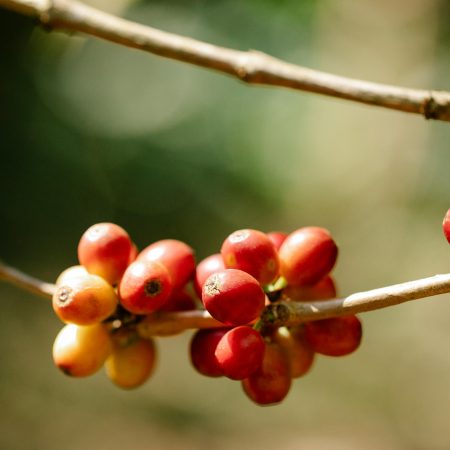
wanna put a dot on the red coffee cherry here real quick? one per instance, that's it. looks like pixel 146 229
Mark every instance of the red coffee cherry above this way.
pixel 277 238
pixel 180 301
pixel 233 297
pixel 205 268
pixel 80 351
pixel 145 287
pixel 337 336
pixel 83 299
pixel 202 351
pixel 104 249
pixel 132 360
pixel 322 290
pixel 253 252
pixel 446 226
pixel 176 256
pixel 240 352
pixel 307 255
pixel 271 382
pixel 297 349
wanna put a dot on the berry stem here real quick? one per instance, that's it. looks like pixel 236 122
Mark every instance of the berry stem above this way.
pixel 276 314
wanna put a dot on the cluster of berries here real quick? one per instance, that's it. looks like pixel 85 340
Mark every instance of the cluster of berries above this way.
pixel 253 269
pixel 103 299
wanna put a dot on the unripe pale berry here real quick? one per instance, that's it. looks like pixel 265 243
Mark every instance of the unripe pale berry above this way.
pixel 271 382
pixel 446 226
pixel 240 352
pixel 233 297
pixel 84 299
pixel 297 349
pixel 176 256
pixel 80 351
pixel 132 360
pixel 253 252
pixel 104 249
pixel 307 255
pixel 69 273
pixel 205 268
pixel 337 336
pixel 202 351
pixel 145 287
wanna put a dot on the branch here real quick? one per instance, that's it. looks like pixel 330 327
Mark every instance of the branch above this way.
pixel 276 314
pixel 26 282
pixel 292 312
pixel 251 67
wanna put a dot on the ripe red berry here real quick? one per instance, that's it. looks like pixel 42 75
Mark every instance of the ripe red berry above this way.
pixel 176 256
pixel 322 290
pixel 104 249
pixel 271 382
pixel 205 268
pixel 180 301
pixel 80 351
pixel 233 297
pixel 145 287
pixel 240 352
pixel 277 238
pixel 337 336
pixel 202 351
pixel 132 360
pixel 307 255
pixel 297 349
pixel 446 226
pixel 83 298
pixel 253 252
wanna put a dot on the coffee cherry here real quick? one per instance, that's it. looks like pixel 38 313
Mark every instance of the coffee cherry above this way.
pixel 446 226
pixel 176 256
pixel 297 349
pixel 132 360
pixel 202 351
pixel 104 250
pixel 205 268
pixel 180 301
pixel 337 336
pixel 134 252
pixel 271 382
pixel 84 299
pixel 322 290
pixel 233 297
pixel 307 255
pixel 145 287
pixel 277 238
pixel 240 352
pixel 253 252
pixel 71 272
pixel 80 351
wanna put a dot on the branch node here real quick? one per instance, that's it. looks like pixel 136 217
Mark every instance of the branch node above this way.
pixel 430 108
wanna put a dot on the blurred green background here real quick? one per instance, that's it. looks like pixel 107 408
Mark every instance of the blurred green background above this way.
pixel 95 132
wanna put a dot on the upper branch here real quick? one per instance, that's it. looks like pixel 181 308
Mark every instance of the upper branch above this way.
pixel 251 67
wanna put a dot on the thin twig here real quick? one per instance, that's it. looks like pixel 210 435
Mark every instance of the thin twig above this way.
pixel 276 314
pixel 251 67
pixel 292 312
pixel 26 282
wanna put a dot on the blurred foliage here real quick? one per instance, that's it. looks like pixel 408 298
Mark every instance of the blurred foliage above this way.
pixel 94 132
